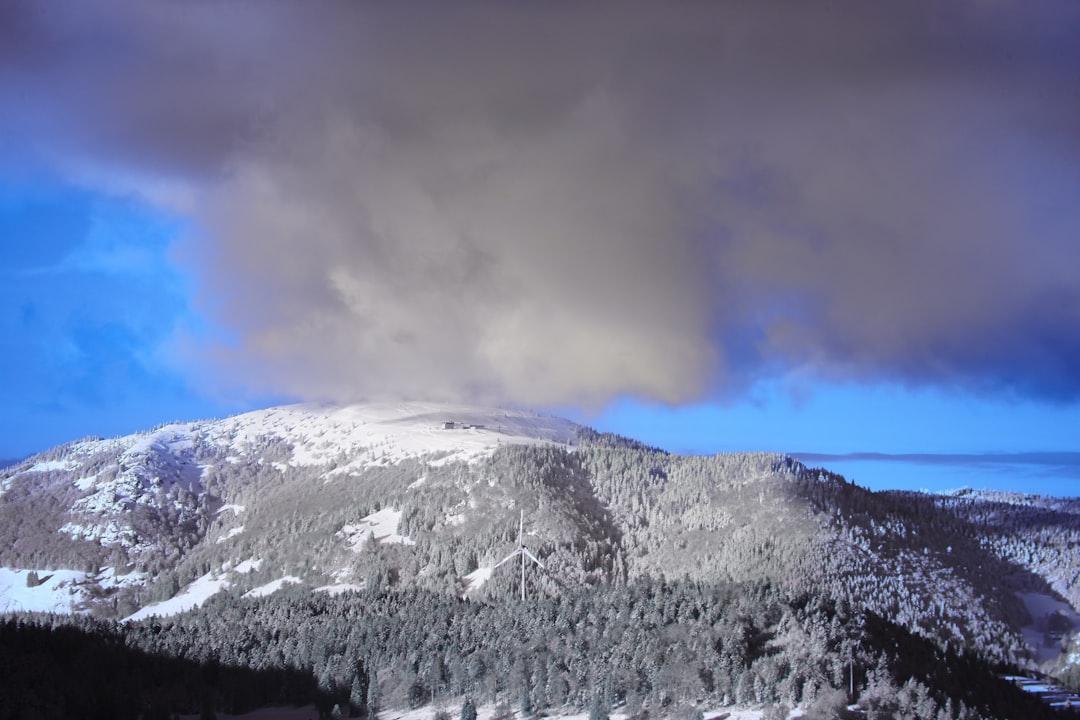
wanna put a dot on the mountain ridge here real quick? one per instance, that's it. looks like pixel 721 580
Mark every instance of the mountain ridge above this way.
pixel 389 495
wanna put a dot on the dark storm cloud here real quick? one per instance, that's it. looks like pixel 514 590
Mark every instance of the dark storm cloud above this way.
pixel 556 202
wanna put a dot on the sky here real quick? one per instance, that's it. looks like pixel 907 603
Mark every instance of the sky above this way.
pixel 839 229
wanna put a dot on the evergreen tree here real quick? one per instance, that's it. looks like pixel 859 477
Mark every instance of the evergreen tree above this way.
pixel 357 697
pixel 373 692
pixel 598 708
pixel 468 710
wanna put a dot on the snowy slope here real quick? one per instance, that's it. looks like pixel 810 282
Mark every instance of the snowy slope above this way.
pixel 143 466
pixel 272 587
pixel 59 591
pixel 192 596
pixel 318 434
pixel 350 439
pixel 389 432
pixel 147 493
pixel 363 435
pixel 380 526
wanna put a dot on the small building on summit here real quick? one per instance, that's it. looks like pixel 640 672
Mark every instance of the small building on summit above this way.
pixel 454 425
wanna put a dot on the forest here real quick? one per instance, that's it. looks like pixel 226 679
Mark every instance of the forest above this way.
pixel 671 583
pixel 647 649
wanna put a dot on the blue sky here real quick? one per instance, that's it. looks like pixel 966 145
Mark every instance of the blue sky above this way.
pixel 922 439
pixel 848 233
pixel 91 304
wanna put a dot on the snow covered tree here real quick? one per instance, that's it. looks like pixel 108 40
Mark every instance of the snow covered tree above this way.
pixel 468 710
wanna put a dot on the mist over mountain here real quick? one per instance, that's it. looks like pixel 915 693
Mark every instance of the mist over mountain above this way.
pixel 341 506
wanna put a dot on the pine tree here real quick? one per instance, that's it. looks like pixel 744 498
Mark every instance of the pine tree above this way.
pixel 598 708
pixel 357 697
pixel 468 710
pixel 526 700
pixel 373 693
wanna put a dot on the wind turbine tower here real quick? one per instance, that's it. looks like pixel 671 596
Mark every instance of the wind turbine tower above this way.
pixel 523 552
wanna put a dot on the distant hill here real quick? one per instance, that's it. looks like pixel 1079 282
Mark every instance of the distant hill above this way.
pixel 313 501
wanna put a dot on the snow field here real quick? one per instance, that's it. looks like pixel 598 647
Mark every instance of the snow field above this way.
pixel 271 587
pixel 382 525
pixel 390 432
pixel 483 712
pixel 61 592
pixel 193 596
pixel 353 437
pixel 57 594
pixel 477 578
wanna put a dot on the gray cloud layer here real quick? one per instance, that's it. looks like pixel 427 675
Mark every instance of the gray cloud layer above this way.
pixel 550 203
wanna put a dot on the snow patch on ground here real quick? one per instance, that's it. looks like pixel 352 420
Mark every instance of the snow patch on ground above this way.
pixel 271 587
pixel 248 566
pixel 86 483
pixel 234 509
pixel 385 433
pixel 108 532
pixel 63 591
pixel 1040 606
pixel 476 579
pixel 50 465
pixel 193 596
pixel 339 588
pixel 173 438
pixel 483 712
pixel 60 592
pixel 382 525
pixel 109 577
pixel 233 532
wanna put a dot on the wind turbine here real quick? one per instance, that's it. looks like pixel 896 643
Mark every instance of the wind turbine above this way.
pixel 523 552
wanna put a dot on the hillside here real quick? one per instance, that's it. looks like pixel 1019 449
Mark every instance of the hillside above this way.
pixel 313 502
pixel 150 507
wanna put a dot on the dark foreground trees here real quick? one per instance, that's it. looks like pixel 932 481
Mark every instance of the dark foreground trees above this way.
pixel 659 647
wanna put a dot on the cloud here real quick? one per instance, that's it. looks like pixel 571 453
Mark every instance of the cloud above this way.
pixel 1058 462
pixel 548 203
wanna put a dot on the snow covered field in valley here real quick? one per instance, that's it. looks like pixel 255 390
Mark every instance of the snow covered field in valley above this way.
pixel 56 591
pixel 484 712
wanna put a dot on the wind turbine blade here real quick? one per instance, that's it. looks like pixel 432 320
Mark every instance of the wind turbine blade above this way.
pixel 531 556
pixel 511 556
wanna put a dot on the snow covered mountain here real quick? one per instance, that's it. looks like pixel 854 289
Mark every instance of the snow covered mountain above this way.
pixel 303 499
pixel 142 502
